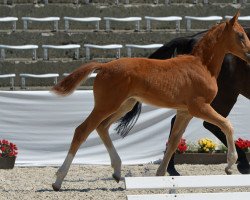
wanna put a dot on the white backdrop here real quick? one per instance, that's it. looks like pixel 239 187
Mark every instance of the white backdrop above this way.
pixel 42 126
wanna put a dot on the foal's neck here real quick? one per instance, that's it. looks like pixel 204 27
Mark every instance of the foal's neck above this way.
pixel 212 49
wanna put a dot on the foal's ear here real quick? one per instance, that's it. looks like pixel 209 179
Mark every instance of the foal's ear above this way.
pixel 234 19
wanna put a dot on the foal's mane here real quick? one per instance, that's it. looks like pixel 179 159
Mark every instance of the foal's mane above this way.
pixel 204 47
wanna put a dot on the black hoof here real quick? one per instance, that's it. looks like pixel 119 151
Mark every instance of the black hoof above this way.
pixel 244 168
pixel 117 179
pixel 172 172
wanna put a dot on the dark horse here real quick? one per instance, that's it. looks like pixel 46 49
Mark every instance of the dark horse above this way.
pixel 234 79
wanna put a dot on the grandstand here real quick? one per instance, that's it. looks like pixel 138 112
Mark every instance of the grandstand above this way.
pixel 46 22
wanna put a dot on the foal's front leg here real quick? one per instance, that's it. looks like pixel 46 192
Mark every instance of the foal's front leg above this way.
pixel 181 122
pixel 207 113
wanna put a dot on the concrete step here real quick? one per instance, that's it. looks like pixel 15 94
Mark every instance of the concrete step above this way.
pixel 61 10
pixel 110 2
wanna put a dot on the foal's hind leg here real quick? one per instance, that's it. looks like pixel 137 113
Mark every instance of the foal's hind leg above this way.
pixel 81 133
pixel 102 130
pixel 181 122
pixel 207 113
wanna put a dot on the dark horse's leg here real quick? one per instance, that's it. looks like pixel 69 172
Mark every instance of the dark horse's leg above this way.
pixel 171 168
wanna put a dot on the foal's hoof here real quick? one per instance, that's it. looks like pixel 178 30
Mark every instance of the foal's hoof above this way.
pixel 117 178
pixel 244 168
pixel 159 173
pixel 228 171
pixel 55 187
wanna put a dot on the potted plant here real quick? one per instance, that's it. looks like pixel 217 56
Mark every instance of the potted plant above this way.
pixel 8 152
pixel 206 151
pixel 203 152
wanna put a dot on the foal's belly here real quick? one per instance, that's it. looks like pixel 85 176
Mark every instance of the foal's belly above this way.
pixel 175 93
pixel 162 104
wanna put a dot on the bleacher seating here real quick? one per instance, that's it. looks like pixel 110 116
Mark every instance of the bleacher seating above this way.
pixel 137 20
pixel 27 20
pixel 176 19
pixel 204 19
pixel 11 77
pixel 240 18
pixel 75 47
pixel 116 47
pixel 10 19
pixel 85 19
pixel 19 47
pixel 37 76
pixel 124 19
pixel 147 46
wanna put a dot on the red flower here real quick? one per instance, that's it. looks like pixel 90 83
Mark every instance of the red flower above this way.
pixel 242 144
pixel 182 146
pixel 11 154
pixel 5 142
pixel 3 148
pixel 7 148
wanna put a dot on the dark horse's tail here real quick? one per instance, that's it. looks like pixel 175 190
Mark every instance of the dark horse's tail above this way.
pixel 127 122
pixel 182 45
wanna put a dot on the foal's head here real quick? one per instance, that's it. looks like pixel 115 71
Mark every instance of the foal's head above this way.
pixel 237 40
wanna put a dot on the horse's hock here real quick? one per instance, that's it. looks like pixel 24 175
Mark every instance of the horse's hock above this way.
pixel 42 33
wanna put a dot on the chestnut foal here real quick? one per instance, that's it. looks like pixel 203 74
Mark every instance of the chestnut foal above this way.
pixel 186 83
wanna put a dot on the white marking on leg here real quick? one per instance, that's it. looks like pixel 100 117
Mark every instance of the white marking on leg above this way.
pixel 231 154
pixel 115 160
pixel 63 170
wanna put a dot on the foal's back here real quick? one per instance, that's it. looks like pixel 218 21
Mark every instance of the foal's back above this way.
pixel 173 81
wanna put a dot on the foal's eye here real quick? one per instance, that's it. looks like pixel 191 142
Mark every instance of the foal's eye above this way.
pixel 241 36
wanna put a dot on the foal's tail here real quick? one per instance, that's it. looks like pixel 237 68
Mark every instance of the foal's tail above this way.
pixel 69 83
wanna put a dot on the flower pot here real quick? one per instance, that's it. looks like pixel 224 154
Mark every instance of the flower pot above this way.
pixel 7 162
pixel 203 158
